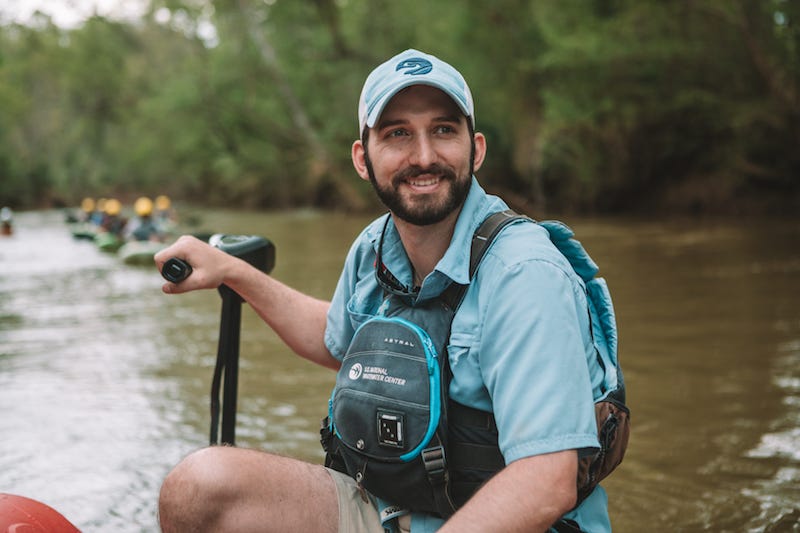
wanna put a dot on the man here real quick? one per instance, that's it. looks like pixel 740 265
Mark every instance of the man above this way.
pixel 518 346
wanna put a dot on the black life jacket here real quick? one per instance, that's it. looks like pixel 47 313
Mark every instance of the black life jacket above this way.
pixel 391 425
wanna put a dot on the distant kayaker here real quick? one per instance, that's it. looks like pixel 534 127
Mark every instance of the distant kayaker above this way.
pixel 519 348
pixel 113 221
pixel 87 209
pixel 6 221
pixel 99 212
pixel 164 213
pixel 143 227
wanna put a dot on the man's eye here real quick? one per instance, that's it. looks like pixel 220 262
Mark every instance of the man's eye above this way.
pixel 397 133
pixel 445 129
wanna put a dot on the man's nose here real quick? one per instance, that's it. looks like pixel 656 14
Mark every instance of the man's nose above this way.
pixel 423 152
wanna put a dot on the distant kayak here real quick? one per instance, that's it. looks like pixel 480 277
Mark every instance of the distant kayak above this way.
pixel 108 242
pixel 83 230
pixel 140 252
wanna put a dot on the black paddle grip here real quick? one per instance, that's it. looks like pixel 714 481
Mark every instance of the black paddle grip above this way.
pixel 176 270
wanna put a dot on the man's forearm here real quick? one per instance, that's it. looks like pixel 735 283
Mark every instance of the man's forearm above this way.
pixel 299 319
pixel 529 495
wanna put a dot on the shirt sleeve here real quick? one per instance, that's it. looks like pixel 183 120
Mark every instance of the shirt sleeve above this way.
pixel 338 326
pixel 356 297
pixel 533 359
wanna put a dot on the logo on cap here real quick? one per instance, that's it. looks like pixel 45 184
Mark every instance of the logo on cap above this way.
pixel 415 66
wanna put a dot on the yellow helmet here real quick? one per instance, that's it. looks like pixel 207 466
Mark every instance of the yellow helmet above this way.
pixel 113 207
pixel 143 206
pixel 162 202
pixel 87 205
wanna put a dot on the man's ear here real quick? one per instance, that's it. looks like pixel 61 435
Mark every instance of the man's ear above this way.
pixel 480 150
pixel 358 155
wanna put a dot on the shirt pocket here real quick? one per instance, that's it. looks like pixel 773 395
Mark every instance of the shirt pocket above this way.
pixel 459 346
pixel 465 333
pixel 364 302
pixel 466 385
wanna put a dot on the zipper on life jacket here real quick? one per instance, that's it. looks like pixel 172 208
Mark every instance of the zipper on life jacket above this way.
pixel 432 362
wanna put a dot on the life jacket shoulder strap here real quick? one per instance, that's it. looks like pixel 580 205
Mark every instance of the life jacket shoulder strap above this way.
pixel 486 233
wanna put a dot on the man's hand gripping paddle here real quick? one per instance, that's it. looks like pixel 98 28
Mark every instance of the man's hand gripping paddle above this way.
pixel 260 253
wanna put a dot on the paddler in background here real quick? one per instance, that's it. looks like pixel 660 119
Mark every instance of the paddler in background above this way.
pixel 113 221
pixel 6 221
pixel 143 227
pixel 99 212
pixel 87 209
pixel 164 214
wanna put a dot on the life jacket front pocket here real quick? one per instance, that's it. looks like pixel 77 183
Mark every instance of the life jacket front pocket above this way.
pixel 385 409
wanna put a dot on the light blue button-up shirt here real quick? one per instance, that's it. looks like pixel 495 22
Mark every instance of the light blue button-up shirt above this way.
pixel 520 344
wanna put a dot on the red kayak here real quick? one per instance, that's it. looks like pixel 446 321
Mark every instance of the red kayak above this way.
pixel 24 515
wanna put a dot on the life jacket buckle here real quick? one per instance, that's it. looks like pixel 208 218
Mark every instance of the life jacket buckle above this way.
pixel 435 464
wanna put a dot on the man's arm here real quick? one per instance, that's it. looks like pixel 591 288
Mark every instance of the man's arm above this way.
pixel 529 495
pixel 297 318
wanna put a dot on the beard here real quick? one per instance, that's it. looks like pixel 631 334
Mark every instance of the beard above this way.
pixel 422 210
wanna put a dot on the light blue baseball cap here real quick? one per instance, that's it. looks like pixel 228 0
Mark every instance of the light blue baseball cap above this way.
pixel 408 68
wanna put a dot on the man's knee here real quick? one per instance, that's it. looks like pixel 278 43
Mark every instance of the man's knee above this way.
pixel 216 487
pixel 202 472
pixel 202 477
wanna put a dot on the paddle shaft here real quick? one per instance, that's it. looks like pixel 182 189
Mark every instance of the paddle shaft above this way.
pixel 260 253
pixel 227 369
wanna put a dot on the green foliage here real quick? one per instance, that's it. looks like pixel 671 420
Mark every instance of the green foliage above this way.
pixel 588 105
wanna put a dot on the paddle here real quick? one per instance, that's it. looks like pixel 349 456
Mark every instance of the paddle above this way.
pixel 260 253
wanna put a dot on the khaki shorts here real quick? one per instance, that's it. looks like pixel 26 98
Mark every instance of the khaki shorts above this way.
pixel 355 514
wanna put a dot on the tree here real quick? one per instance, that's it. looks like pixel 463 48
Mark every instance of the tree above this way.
pixel 600 105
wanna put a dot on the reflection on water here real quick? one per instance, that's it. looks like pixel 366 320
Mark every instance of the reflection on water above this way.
pixel 105 381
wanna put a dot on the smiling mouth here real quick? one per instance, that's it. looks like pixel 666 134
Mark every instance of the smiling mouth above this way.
pixel 423 182
pixel 425 179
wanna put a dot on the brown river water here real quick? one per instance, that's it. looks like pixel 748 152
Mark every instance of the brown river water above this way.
pixel 104 381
